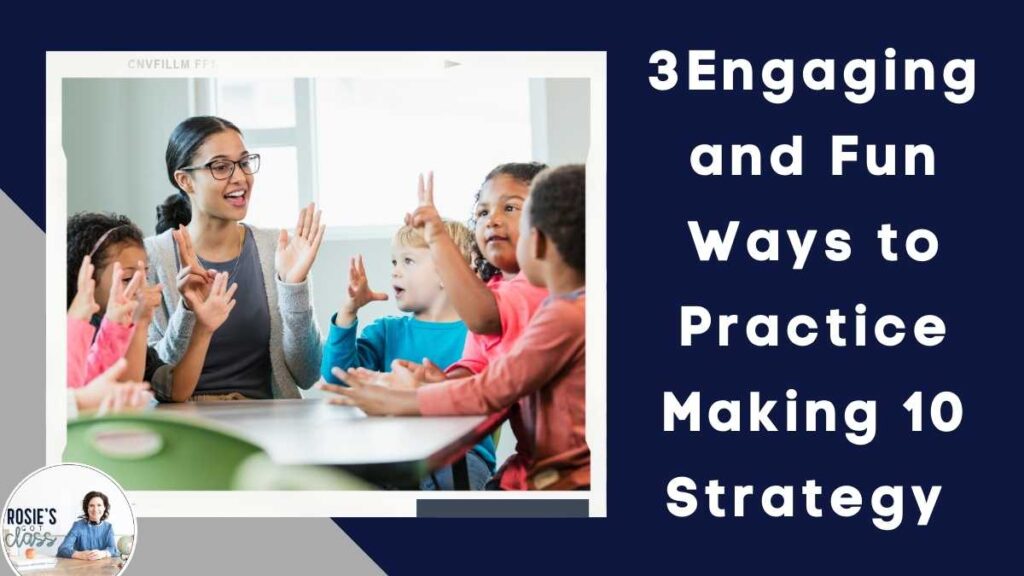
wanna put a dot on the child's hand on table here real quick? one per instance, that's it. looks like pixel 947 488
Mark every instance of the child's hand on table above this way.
pixel 108 395
pixel 426 373
pixel 121 303
pixel 84 305
pixel 359 293
pixel 371 397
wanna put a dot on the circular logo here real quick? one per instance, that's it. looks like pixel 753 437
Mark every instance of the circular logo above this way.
pixel 68 518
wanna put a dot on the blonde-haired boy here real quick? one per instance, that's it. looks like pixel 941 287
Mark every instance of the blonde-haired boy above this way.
pixel 432 329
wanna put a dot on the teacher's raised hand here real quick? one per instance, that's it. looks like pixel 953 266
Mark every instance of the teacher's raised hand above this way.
pixel 296 254
pixel 197 276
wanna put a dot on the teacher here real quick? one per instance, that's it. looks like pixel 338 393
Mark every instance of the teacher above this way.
pixel 270 345
pixel 91 537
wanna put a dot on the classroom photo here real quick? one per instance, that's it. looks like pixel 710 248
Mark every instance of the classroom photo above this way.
pixel 330 283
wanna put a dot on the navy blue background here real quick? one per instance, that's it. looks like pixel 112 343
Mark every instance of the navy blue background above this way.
pixel 971 204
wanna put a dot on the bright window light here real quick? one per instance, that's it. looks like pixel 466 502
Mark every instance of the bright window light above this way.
pixel 376 135
pixel 275 192
pixel 257 105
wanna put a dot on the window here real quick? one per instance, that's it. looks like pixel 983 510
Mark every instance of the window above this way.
pixel 376 135
pixel 356 146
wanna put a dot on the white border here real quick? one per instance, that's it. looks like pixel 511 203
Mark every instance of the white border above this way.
pixel 60 65
pixel 131 511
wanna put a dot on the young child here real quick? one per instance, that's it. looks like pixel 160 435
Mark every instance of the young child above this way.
pixel 432 328
pixel 110 250
pixel 103 391
pixel 107 331
pixel 543 373
pixel 496 312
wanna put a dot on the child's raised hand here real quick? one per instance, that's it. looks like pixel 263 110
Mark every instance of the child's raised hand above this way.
pixel 359 292
pixel 426 216
pixel 372 399
pixel 214 310
pixel 121 303
pixel 84 305
pixel 149 298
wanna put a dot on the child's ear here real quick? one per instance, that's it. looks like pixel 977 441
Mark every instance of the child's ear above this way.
pixel 540 244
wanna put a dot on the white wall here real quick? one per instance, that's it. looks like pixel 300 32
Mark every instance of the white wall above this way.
pixel 115 133
pixel 114 137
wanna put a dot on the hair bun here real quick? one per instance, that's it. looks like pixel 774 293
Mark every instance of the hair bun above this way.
pixel 174 211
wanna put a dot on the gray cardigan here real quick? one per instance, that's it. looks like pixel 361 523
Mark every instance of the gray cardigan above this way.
pixel 295 341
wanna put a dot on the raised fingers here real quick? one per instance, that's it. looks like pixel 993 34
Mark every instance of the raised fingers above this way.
pixel 314 227
pixel 219 284
pixel 231 293
pixel 115 279
pixel 303 225
pixel 85 274
pixel 425 190
pixel 133 286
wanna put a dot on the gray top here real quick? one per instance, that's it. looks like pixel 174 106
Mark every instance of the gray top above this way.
pixel 238 359
pixel 295 342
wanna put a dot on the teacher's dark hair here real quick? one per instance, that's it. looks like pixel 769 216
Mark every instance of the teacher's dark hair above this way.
pixel 175 210
pixel 90 496
pixel 185 140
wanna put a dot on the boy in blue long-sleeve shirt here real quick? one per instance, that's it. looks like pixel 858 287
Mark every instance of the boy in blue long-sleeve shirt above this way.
pixel 433 329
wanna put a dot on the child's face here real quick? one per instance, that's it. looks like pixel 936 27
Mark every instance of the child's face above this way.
pixel 129 256
pixel 414 279
pixel 497 221
pixel 223 199
pixel 526 250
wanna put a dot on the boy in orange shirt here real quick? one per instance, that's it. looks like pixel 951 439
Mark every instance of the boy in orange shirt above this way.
pixel 544 372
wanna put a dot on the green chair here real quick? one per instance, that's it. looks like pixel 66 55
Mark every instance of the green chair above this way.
pixel 153 451
pixel 259 473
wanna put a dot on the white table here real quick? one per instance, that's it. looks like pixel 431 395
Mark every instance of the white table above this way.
pixel 313 432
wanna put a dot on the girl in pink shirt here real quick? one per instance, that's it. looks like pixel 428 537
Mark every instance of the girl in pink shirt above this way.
pixel 544 373
pixel 497 312
pixel 107 262
pixel 89 357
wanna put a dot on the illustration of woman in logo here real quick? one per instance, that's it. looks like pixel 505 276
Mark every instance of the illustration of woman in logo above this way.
pixel 91 537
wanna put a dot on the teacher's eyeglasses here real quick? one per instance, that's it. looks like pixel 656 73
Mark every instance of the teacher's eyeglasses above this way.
pixel 224 169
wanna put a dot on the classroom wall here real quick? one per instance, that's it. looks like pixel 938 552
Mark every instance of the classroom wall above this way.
pixel 114 137
pixel 115 133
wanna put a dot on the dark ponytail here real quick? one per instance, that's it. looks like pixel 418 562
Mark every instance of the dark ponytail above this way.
pixel 520 171
pixel 185 140
pixel 176 210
